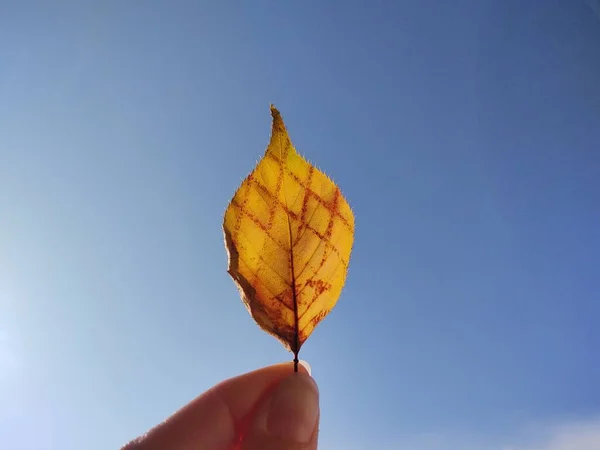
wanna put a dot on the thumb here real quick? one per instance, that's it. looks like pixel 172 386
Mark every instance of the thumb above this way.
pixel 287 418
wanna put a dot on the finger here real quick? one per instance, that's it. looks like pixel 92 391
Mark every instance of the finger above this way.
pixel 287 418
pixel 213 420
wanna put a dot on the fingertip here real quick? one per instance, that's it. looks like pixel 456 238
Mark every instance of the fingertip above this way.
pixel 288 417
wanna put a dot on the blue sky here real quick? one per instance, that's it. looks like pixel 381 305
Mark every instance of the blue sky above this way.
pixel 465 135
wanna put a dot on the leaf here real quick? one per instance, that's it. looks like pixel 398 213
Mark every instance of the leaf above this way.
pixel 288 234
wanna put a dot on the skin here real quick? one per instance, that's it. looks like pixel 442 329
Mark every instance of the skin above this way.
pixel 267 409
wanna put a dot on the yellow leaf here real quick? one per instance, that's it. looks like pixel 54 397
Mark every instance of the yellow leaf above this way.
pixel 288 233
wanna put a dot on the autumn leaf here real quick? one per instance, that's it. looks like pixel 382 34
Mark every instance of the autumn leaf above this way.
pixel 288 234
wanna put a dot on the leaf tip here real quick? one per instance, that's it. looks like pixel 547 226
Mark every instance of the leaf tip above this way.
pixel 277 119
pixel 275 114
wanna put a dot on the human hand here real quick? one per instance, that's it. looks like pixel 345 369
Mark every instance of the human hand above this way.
pixel 267 409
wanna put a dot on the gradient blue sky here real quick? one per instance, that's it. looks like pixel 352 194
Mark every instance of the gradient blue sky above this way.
pixel 465 134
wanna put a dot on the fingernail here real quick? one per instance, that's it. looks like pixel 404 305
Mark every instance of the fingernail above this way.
pixel 306 366
pixel 294 409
